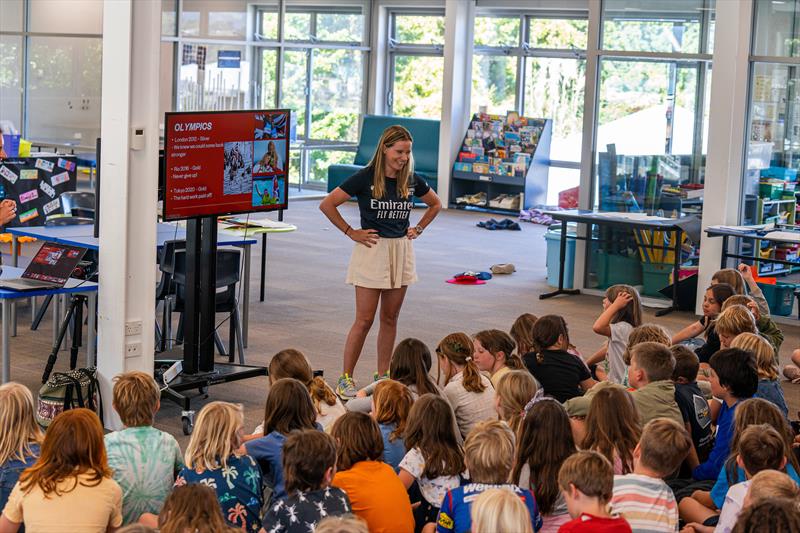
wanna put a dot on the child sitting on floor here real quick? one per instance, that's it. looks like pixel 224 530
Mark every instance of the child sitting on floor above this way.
pixel 642 497
pixel 586 481
pixel 309 464
pixel 622 311
pixel 392 402
pixel 646 333
pixel 561 374
pixel 489 456
pixel 612 428
pixel 691 401
pixel 513 393
pixel 500 510
pixel 767 328
pixel 713 299
pixel 769 387
pixel 650 374
pixel 522 333
pixel 469 392
pixel 494 354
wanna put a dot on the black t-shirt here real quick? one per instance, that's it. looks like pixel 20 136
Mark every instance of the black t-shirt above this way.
pixel 389 215
pixel 694 409
pixel 560 374
pixel 712 344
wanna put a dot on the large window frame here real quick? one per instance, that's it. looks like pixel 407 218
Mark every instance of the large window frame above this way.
pixel 256 43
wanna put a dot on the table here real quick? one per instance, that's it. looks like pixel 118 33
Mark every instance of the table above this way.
pixel 276 227
pixel 753 233
pixel 72 286
pixel 83 235
pixel 625 221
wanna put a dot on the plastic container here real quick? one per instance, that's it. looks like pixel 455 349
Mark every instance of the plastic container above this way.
pixel 613 269
pixel 655 276
pixel 780 297
pixel 771 189
pixel 781 173
pixel 553 238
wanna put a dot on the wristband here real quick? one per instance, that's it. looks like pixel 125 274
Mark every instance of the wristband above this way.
pixel 347 231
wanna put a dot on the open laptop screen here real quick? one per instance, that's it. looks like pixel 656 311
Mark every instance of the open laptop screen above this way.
pixel 54 262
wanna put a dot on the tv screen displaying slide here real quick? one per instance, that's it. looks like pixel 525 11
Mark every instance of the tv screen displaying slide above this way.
pixel 225 162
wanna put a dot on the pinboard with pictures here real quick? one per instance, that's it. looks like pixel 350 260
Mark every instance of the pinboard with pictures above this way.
pixel 36 184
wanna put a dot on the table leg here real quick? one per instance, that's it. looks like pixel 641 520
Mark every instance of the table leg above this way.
pixel 34 309
pixel 14 250
pixel 724 255
pixel 561 267
pixel 263 263
pixel 6 335
pixel 56 304
pixel 245 303
pixel 90 336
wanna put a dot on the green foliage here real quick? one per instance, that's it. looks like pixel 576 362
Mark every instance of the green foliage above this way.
pixel 419 29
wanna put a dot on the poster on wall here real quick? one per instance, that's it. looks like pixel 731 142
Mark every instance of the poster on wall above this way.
pixel 226 162
pixel 36 183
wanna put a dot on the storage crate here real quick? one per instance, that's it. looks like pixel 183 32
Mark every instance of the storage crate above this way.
pixel 780 297
pixel 781 173
pixel 770 190
pixel 614 269
pixel 655 276
pixel 553 238
pixel 759 155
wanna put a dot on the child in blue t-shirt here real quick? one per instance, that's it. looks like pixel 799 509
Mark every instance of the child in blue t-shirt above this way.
pixel 489 454
pixel 391 403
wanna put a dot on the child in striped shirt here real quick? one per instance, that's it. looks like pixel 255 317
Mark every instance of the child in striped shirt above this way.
pixel 642 498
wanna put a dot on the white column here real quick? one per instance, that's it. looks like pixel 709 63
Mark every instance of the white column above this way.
pixel 131 33
pixel 726 130
pixel 456 87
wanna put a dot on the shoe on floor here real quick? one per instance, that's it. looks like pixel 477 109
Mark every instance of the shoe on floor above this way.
pixel 346 387
pixel 503 268
pixel 792 373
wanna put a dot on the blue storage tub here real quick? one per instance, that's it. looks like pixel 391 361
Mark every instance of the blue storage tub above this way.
pixel 553 238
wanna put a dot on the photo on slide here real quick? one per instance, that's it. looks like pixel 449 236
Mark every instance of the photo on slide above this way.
pixel 269 191
pixel 238 178
pixel 269 157
pixel 270 126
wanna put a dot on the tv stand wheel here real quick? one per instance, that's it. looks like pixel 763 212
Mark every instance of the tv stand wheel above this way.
pixel 187 421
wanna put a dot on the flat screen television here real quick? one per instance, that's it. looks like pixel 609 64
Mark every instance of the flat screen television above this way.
pixel 225 162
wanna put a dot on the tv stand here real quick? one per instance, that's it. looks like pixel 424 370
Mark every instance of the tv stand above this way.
pixel 199 369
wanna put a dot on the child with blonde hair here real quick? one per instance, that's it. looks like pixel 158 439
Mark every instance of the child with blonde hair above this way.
pixel 392 402
pixel 769 387
pixel 469 392
pixel 586 481
pixel 522 333
pixel 650 374
pixel 489 456
pixel 732 321
pixel 622 311
pixel 494 353
pixel 514 391
pixel 769 484
pixel 342 524
pixel 213 458
pixel 646 333
pixel 20 436
pixel 767 328
pixel 770 516
pixel 500 510
pixel 192 508
pixel 612 428
pixel 143 458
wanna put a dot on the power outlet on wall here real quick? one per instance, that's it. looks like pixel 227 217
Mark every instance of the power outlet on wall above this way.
pixel 133 349
pixel 134 327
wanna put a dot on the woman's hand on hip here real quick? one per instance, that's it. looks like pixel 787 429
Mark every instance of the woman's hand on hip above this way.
pixel 367 237
pixel 412 233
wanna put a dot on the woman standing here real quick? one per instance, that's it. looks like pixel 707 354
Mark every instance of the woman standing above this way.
pixel 382 264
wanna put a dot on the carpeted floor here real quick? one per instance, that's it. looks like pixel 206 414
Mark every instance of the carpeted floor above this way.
pixel 309 307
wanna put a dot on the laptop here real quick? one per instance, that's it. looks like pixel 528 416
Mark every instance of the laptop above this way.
pixel 50 268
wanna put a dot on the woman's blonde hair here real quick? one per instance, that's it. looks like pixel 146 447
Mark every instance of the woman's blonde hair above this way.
pixel 18 427
pixel 215 437
pixel 293 363
pixel 514 390
pixel 500 510
pixel 458 349
pixel 766 364
pixel 391 136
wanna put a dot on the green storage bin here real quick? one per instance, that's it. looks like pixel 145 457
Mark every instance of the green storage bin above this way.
pixel 614 269
pixel 770 190
pixel 780 297
pixel 655 276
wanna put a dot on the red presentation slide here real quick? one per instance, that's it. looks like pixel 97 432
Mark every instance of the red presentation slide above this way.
pixel 226 162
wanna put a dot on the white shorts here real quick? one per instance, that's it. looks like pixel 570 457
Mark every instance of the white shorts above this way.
pixel 389 264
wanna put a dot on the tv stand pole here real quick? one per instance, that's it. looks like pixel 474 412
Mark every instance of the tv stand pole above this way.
pixel 199 368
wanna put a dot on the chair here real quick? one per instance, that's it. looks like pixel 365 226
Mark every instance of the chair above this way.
pixel 426 148
pixel 165 291
pixel 228 275
pixel 78 204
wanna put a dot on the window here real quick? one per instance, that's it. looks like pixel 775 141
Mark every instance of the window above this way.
pixel 11 79
pixel 417 66
pixel 651 119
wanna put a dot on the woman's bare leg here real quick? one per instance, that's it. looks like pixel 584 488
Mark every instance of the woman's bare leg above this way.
pixel 391 302
pixel 366 305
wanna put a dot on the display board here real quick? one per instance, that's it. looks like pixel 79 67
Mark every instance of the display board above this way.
pixel 36 183
pixel 225 162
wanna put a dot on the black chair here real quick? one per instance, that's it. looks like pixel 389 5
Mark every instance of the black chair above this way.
pixel 165 291
pixel 228 275
pixel 78 204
